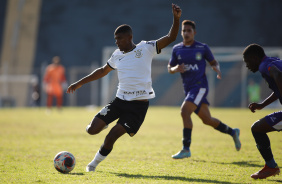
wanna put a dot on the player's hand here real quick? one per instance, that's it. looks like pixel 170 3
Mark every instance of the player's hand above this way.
pixel 176 11
pixel 217 70
pixel 255 106
pixel 73 87
pixel 179 68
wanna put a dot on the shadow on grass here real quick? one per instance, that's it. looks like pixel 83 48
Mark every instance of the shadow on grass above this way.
pixel 180 178
pixel 278 181
pixel 75 173
pixel 247 164
pixel 241 163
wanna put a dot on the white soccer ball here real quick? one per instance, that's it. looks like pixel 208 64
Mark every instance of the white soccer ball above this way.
pixel 64 162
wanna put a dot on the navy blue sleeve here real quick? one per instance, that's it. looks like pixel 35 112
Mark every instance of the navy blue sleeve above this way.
pixel 208 54
pixel 173 60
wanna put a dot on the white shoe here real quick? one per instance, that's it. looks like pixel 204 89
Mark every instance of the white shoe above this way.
pixel 90 168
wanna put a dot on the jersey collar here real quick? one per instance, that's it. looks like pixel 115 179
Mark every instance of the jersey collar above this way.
pixel 130 50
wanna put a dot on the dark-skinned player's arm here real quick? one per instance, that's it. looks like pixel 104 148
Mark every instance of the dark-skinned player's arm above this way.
pixel 172 35
pixel 96 74
pixel 258 106
pixel 276 74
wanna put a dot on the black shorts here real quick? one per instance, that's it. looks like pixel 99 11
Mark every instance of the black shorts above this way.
pixel 131 114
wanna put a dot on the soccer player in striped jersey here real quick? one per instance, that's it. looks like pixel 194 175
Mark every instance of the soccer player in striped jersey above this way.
pixel 133 65
pixel 271 70
pixel 189 59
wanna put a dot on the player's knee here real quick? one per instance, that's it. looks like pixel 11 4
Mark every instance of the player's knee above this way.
pixel 185 114
pixel 254 127
pixel 91 131
pixel 182 114
pixel 207 121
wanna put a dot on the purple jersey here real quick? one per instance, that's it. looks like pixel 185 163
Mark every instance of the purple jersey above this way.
pixel 266 63
pixel 194 58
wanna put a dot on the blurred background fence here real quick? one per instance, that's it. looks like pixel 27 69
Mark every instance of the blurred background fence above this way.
pixel 81 33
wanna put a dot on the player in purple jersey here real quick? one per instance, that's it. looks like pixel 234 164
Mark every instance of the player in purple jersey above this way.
pixel 271 70
pixel 189 58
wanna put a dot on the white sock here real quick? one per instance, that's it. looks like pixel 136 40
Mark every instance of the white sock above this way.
pixel 97 159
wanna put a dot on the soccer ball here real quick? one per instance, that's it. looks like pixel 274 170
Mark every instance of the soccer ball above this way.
pixel 64 162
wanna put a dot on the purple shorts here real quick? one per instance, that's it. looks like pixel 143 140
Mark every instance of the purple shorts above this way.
pixel 275 120
pixel 197 96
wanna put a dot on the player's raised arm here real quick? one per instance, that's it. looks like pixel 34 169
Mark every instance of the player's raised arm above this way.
pixel 172 35
pixel 96 74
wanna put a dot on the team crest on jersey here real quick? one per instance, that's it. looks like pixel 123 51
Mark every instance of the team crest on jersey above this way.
pixel 198 56
pixel 138 53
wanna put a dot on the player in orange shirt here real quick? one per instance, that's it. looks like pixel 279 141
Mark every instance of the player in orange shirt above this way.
pixel 54 79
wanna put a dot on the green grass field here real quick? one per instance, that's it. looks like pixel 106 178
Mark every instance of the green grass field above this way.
pixel 30 138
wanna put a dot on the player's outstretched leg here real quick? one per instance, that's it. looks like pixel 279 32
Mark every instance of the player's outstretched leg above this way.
pixel 236 139
pixel 235 133
pixel 204 114
pixel 266 172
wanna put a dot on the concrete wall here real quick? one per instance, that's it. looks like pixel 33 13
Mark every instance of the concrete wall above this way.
pixel 2 19
pixel 18 48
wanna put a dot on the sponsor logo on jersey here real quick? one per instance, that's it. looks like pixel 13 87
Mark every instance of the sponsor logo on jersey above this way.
pixel 136 93
pixel 121 58
pixel 198 56
pixel 191 67
pixel 138 53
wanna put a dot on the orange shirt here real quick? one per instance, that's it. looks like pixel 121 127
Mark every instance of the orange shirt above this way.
pixel 54 77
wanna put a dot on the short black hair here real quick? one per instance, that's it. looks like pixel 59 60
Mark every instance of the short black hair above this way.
pixel 124 28
pixel 189 22
pixel 254 50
